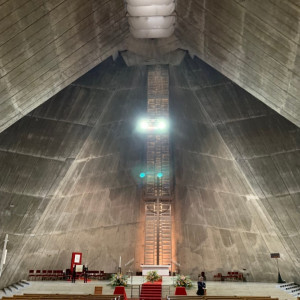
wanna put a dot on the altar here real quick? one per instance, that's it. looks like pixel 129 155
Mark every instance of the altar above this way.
pixel 162 270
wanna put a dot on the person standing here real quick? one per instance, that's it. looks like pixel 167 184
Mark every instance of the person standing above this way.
pixel 85 273
pixel 74 274
pixel 201 286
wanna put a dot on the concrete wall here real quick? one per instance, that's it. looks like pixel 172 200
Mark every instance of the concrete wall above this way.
pixel 69 171
pixel 69 176
pixel 254 43
pixel 237 174
pixel 46 45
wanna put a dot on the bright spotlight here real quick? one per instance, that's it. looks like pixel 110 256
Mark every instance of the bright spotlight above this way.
pixel 143 124
pixel 153 126
pixel 142 174
pixel 160 174
pixel 161 124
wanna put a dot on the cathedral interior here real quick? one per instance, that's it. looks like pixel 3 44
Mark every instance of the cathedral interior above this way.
pixel 77 76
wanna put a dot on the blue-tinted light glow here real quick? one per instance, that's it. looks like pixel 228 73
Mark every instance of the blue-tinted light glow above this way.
pixel 143 124
pixel 142 174
pixel 159 175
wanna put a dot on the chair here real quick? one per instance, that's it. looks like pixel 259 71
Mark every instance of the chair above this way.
pixel 236 275
pixel 55 274
pixel 218 277
pixel 50 274
pixel 96 274
pixel 31 274
pixel 38 274
pixel 59 274
pixel 43 274
pixel 102 275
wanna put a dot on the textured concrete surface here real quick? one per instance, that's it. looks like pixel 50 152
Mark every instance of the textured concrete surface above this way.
pixel 237 173
pixel 69 171
pixel 254 43
pixel 46 45
pixel 69 176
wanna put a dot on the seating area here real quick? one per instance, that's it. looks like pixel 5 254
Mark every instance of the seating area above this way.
pixel 220 298
pixel 64 275
pixel 46 275
pixel 64 297
pixel 216 290
pixel 233 276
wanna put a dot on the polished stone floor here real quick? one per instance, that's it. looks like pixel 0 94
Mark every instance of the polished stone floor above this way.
pixel 213 288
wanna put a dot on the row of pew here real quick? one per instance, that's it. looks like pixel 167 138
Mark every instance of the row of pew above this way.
pixel 220 298
pixel 63 297
pixel 121 297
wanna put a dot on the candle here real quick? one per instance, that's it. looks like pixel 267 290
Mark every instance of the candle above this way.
pixel 120 262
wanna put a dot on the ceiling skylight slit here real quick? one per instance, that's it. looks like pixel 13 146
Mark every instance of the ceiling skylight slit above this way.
pixel 151 18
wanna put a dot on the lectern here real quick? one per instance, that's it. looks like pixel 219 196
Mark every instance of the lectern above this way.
pixel 76 259
pixel 277 255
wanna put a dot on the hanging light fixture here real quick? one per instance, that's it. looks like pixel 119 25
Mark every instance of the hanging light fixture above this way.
pixel 151 18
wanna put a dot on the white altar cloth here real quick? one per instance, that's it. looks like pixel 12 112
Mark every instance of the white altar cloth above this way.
pixel 162 270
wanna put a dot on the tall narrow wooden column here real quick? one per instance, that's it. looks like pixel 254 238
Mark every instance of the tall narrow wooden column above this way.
pixel 158 196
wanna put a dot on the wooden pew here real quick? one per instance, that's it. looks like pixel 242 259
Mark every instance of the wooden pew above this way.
pixel 207 297
pixel 221 298
pixel 64 297
pixel 103 297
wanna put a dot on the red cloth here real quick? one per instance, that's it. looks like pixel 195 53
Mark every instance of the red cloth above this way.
pixel 120 290
pixel 155 282
pixel 180 290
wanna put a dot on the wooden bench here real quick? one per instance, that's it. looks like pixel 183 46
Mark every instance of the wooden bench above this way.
pixel 87 297
pixel 221 297
pixel 64 297
pixel 225 297
pixel 202 297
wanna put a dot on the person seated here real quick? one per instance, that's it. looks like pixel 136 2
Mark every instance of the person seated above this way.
pixel 201 286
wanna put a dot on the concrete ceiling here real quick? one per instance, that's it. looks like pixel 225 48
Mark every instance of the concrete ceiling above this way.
pixel 46 45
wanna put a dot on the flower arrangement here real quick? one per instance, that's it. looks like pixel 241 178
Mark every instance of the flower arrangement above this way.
pixel 118 280
pixel 183 280
pixel 152 276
